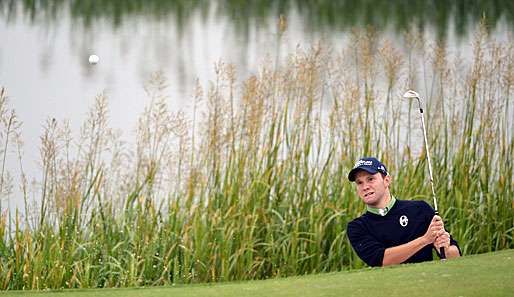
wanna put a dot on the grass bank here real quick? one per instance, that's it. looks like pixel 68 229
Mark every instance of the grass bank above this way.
pixel 479 275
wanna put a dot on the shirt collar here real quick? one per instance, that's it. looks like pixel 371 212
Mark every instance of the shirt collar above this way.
pixel 382 211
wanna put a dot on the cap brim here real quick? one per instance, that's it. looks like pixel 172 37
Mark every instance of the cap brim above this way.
pixel 353 172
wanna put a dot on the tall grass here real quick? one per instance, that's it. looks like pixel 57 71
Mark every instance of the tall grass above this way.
pixel 252 184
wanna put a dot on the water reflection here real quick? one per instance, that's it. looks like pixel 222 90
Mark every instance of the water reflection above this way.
pixel 319 15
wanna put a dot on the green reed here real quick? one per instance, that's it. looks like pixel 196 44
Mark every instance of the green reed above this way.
pixel 253 184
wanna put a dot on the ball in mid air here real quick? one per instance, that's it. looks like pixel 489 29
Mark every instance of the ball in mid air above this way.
pixel 93 59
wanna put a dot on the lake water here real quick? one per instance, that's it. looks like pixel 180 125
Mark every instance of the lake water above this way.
pixel 46 44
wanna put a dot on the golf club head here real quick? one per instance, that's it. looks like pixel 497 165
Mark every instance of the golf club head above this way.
pixel 411 94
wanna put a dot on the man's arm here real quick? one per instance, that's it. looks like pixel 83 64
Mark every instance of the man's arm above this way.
pixel 399 254
pixel 367 247
pixel 452 252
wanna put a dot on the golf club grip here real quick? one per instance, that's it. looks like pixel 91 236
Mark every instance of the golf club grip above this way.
pixel 442 253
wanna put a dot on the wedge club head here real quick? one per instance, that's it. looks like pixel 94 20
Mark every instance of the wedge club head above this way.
pixel 411 94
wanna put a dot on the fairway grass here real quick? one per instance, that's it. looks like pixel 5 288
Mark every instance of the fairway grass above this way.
pixel 489 274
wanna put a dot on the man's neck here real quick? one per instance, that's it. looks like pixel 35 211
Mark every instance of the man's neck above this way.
pixel 384 202
pixel 386 206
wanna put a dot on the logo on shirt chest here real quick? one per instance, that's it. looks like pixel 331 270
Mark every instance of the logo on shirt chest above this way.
pixel 404 220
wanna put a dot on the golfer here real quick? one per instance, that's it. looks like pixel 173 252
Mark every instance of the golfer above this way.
pixel 393 231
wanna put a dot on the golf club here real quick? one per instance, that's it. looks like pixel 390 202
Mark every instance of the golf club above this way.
pixel 410 94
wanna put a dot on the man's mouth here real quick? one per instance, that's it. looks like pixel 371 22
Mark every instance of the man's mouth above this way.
pixel 369 193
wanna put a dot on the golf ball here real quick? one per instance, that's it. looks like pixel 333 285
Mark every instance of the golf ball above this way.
pixel 93 59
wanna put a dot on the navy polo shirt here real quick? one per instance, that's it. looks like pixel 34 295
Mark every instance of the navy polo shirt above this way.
pixel 370 234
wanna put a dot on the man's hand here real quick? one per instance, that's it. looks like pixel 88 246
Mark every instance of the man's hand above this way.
pixel 436 229
pixel 442 240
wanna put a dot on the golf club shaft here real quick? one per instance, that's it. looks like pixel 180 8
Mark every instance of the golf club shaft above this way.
pixel 428 159
pixel 442 253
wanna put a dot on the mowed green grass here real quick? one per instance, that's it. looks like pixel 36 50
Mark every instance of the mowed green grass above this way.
pixel 489 274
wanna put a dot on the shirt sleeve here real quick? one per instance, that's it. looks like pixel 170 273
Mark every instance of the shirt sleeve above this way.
pixel 368 248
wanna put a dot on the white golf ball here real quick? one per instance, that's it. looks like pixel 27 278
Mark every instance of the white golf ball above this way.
pixel 93 59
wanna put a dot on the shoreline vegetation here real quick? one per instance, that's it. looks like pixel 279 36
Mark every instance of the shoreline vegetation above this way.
pixel 253 184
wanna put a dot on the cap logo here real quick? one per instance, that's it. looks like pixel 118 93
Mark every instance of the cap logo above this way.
pixel 363 162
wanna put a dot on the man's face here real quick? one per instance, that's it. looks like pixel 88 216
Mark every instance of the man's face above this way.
pixel 371 187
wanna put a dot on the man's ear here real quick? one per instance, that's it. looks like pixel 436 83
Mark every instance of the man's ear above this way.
pixel 387 180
